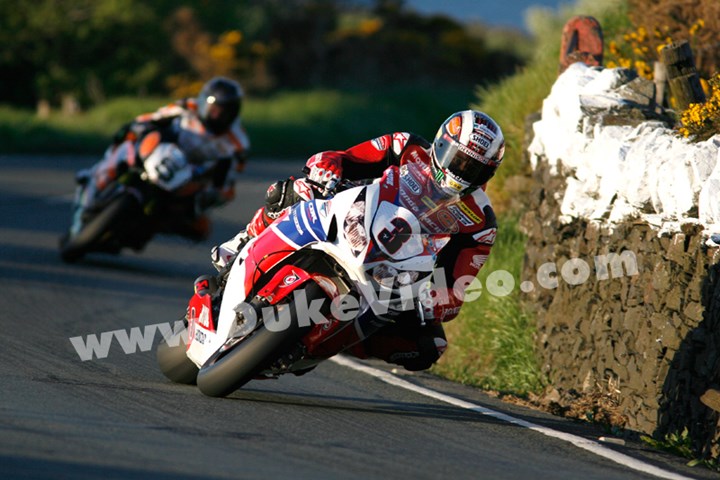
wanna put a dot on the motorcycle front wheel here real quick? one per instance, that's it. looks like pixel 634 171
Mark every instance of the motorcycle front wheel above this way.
pixel 226 371
pixel 101 227
pixel 174 362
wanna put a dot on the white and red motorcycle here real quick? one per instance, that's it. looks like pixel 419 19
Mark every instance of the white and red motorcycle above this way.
pixel 131 195
pixel 353 261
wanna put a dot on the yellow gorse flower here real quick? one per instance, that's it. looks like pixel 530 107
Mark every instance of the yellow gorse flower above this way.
pixel 636 50
pixel 702 120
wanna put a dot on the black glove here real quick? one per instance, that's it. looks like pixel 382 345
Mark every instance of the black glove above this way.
pixel 279 196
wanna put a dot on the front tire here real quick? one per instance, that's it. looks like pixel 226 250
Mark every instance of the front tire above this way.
pixel 107 222
pixel 226 371
pixel 174 362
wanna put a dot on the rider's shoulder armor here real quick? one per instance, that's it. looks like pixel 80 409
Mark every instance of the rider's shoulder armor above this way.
pixel 402 142
pixel 476 217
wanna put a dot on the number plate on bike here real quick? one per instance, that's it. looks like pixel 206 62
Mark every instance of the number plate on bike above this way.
pixel 397 232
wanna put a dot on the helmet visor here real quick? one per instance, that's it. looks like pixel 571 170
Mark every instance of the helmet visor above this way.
pixel 220 116
pixel 458 160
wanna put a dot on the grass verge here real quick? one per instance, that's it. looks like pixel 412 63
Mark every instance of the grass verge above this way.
pixel 491 341
pixel 286 124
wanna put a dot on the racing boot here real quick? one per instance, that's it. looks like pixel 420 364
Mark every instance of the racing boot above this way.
pixel 413 348
pixel 223 256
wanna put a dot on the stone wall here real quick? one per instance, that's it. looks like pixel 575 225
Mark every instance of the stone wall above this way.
pixel 646 332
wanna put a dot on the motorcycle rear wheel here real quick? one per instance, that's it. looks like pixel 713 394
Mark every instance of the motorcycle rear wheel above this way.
pixel 74 247
pixel 224 372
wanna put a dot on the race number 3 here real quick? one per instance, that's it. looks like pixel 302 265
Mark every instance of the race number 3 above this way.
pixel 393 239
pixel 397 231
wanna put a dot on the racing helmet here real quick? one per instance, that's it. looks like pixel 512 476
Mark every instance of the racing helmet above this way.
pixel 468 148
pixel 219 104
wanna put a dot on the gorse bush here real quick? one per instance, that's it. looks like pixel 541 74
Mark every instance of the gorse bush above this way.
pixel 660 22
pixel 654 24
pixel 633 52
pixel 639 48
pixel 701 121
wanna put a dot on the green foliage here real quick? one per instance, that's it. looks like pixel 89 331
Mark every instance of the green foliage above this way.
pixel 91 50
pixel 304 123
pixel 680 444
pixel 491 342
pixel 661 22
pixel 509 103
pixel 21 131
pixel 83 48
pixel 286 124
pixel 513 99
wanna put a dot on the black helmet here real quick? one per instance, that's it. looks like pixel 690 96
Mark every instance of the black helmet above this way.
pixel 219 104
pixel 468 148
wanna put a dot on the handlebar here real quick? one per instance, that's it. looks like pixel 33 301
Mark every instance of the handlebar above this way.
pixel 343 184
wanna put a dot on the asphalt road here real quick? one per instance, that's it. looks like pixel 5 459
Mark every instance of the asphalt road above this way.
pixel 118 417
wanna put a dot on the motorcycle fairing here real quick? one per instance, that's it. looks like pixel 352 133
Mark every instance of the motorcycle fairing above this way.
pixel 201 324
pixel 168 167
pixel 302 224
pixel 299 227
pixel 107 169
pixel 283 283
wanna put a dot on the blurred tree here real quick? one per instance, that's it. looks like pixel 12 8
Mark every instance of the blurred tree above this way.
pixel 400 46
pixel 293 37
pixel 73 48
pixel 207 55
pixel 86 50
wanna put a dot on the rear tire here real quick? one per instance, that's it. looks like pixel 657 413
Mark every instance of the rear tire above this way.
pixel 174 362
pixel 225 372
pixel 73 248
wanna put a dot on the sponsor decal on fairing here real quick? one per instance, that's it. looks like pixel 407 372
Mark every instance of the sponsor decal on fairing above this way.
pixel 290 279
pixel 413 185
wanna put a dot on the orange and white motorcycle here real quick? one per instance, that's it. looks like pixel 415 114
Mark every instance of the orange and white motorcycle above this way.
pixel 137 190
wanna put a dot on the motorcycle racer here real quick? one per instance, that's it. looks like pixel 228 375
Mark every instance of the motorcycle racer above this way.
pixel 464 155
pixel 209 131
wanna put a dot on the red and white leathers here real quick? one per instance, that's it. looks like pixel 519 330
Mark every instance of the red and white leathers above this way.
pixel 179 123
pixel 471 221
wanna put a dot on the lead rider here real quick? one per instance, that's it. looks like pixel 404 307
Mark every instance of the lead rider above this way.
pixel 467 150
